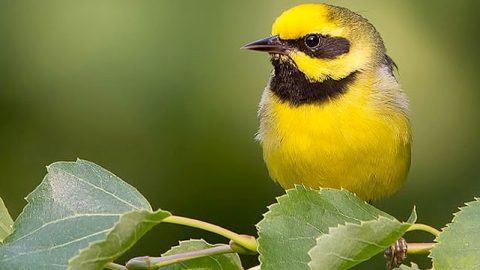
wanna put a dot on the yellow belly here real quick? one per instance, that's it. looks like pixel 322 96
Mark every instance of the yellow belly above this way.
pixel 346 143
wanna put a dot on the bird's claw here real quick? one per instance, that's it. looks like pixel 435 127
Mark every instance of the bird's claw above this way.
pixel 396 254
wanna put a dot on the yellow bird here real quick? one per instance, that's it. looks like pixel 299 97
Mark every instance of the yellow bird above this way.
pixel 333 113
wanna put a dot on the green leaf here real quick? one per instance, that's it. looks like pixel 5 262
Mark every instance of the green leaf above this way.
pixel 348 245
pixel 406 267
pixel 78 206
pixel 6 222
pixel 458 246
pixel 290 228
pixel 230 261
pixel 131 227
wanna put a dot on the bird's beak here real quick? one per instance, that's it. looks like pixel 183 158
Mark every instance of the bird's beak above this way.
pixel 271 44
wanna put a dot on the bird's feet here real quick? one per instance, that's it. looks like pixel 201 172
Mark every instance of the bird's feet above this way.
pixel 396 254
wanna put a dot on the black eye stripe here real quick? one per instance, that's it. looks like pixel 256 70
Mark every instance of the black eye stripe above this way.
pixel 328 47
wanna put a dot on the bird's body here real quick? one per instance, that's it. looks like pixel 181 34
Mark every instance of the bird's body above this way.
pixel 353 142
pixel 333 114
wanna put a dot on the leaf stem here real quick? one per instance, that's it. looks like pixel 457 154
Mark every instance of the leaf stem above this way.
pixel 419 248
pixel 425 228
pixel 115 266
pixel 157 262
pixel 246 241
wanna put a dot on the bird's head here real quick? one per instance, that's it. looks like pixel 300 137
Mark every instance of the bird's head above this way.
pixel 323 42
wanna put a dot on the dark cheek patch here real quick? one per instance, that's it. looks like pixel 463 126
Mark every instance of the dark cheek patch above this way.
pixel 291 85
pixel 328 47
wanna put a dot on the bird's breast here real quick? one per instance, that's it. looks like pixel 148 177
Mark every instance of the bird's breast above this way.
pixel 346 142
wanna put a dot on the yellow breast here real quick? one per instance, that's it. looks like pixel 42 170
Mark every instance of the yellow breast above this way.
pixel 356 141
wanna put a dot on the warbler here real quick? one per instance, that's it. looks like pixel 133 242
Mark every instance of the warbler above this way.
pixel 333 114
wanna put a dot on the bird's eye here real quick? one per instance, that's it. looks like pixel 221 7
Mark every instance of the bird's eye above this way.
pixel 312 40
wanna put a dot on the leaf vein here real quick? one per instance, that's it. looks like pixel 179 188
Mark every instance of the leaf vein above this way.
pixel 55 247
pixel 64 219
pixel 103 190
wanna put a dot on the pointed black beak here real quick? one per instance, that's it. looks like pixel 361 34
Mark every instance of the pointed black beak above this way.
pixel 271 44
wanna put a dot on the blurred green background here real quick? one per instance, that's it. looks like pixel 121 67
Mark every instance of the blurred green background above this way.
pixel 159 93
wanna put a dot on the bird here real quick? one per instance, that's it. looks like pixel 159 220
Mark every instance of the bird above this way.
pixel 333 114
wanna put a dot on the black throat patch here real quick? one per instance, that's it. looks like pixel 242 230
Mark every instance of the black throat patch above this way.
pixel 291 85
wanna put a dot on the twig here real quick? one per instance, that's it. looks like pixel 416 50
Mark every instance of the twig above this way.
pixel 425 228
pixel 115 266
pixel 157 262
pixel 419 248
pixel 246 241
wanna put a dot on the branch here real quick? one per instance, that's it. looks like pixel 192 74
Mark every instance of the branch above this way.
pixel 246 241
pixel 157 262
pixel 419 248
pixel 115 266
pixel 425 228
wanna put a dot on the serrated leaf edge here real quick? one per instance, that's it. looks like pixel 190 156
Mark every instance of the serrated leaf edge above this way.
pixel 348 224
pixel 92 166
pixel 20 216
pixel 44 180
pixel 448 226
pixel 278 200
pixel 298 187
pixel 201 240
pixel 10 219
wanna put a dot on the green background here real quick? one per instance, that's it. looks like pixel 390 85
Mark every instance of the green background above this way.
pixel 159 93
